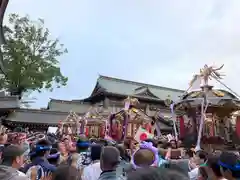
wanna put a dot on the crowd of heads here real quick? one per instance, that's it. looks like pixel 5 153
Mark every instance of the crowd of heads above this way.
pixel 55 158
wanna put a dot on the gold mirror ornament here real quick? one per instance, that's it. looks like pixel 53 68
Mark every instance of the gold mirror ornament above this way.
pixel 195 94
pixel 218 93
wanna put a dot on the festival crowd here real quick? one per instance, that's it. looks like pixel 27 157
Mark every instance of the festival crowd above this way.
pixel 62 158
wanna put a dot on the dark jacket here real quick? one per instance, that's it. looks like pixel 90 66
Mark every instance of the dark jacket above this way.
pixel 124 167
pixel 181 163
pixel 43 163
pixel 9 173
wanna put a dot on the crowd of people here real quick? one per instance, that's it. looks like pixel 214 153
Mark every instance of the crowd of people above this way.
pixel 101 159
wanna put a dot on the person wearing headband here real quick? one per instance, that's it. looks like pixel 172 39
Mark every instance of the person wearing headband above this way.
pixel 212 168
pixel 82 147
pixel 42 152
pixel 229 165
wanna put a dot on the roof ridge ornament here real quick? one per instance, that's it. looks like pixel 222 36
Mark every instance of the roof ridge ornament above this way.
pixel 129 101
pixel 145 91
pixel 141 87
pixel 207 73
pixel 168 101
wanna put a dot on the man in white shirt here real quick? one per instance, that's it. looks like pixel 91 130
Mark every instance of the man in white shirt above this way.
pixel 199 158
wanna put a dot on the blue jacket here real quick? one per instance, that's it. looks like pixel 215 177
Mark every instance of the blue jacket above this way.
pixel 43 163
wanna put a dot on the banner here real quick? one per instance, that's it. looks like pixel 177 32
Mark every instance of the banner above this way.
pixel 142 134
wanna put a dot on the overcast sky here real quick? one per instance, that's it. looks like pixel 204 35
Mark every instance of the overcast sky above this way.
pixel 152 41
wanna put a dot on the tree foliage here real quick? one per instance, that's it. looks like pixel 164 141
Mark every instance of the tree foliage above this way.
pixel 30 57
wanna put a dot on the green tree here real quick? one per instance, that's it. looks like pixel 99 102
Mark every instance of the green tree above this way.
pixel 30 57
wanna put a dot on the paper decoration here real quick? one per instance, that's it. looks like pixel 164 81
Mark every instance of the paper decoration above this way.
pixel 127 105
pixel 52 130
pixel 142 135
pixel 170 137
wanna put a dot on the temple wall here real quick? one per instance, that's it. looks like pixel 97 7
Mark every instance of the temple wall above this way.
pixel 37 116
pixel 67 107
pixel 9 102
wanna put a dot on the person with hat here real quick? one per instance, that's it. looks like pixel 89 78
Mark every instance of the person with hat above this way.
pixel 12 160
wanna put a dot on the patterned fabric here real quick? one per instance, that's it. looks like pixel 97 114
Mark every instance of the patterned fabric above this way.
pixel 193 174
pixel 92 172
pixel 111 175
pixel 84 160
pixel 42 167
pixel 161 161
pixel 39 170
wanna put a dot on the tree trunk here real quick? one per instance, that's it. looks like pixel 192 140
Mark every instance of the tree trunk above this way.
pixel 3 7
pixel 17 92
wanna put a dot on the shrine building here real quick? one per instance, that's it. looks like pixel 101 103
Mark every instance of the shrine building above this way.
pixel 108 96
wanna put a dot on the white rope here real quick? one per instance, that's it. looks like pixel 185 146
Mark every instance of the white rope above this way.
pixel 203 116
pixel 174 121
pixel 227 87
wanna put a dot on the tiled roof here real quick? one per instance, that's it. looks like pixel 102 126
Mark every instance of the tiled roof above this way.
pixel 131 88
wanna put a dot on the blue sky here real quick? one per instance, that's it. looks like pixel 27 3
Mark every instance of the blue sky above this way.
pixel 153 41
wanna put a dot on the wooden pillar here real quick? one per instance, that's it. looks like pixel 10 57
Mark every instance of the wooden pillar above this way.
pixel 213 126
pixel 238 126
pixel 106 103
pixel 181 126
pixel 132 129
pixel 99 130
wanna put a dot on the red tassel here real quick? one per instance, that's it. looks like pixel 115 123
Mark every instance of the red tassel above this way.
pixel 181 126
pixel 87 131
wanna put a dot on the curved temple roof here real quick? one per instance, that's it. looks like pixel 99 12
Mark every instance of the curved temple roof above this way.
pixel 131 88
pixel 215 97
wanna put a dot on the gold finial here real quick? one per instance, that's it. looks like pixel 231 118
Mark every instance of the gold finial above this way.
pixel 207 73
pixel 131 101
pixel 168 101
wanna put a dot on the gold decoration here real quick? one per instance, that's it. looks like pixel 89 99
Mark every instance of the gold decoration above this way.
pixel 133 101
pixel 195 94
pixel 207 73
pixel 168 101
pixel 218 93
pixel 134 110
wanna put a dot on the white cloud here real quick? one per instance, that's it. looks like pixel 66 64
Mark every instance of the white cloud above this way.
pixel 162 42
pixel 213 38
